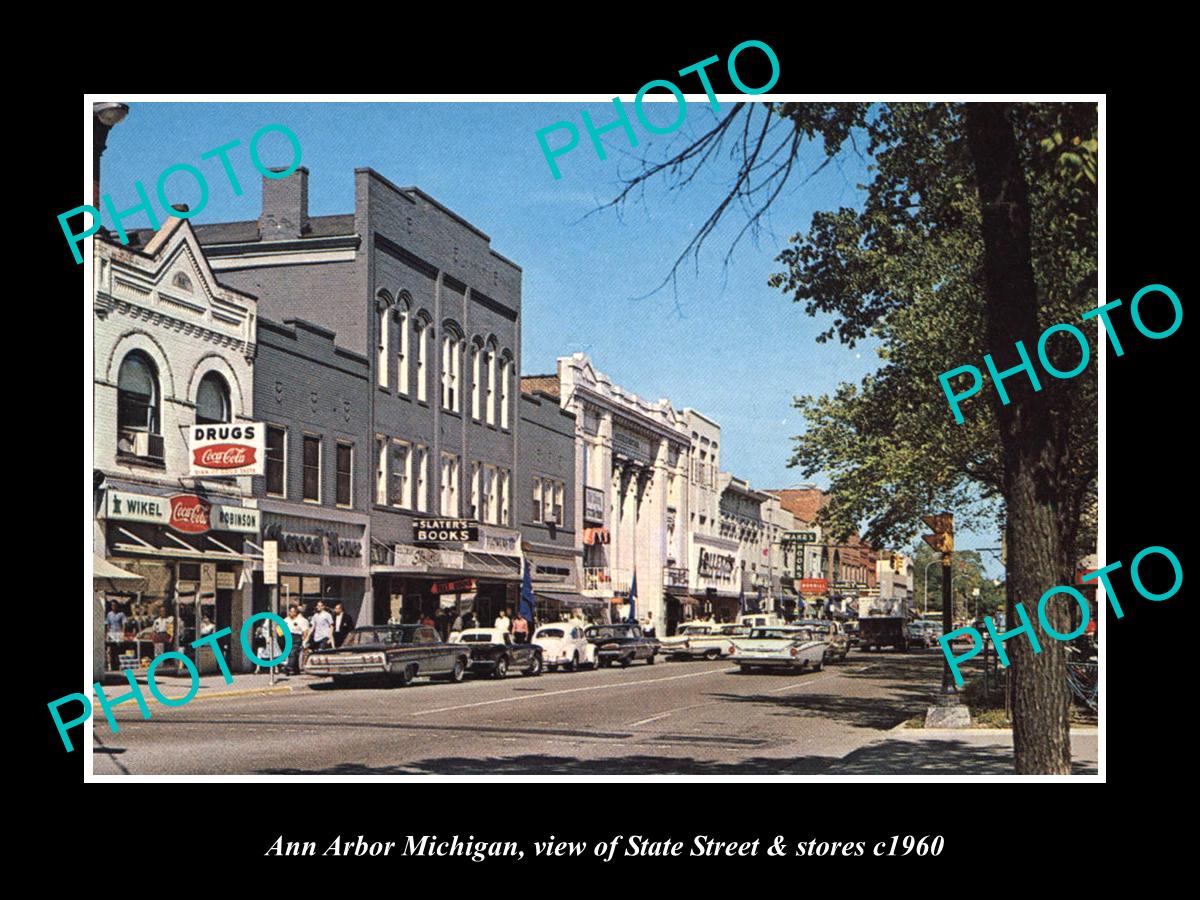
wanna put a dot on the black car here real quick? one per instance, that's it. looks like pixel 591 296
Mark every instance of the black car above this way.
pixel 621 643
pixel 399 652
pixel 494 652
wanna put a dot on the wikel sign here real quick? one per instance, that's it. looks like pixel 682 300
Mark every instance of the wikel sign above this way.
pixel 186 513
pixel 227 449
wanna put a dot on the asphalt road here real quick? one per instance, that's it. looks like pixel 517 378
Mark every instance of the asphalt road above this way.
pixel 680 717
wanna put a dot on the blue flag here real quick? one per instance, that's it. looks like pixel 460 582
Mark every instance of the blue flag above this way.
pixel 526 608
pixel 632 617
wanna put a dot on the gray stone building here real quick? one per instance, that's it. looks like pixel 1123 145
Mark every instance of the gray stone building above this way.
pixel 313 398
pixel 420 292
pixel 545 508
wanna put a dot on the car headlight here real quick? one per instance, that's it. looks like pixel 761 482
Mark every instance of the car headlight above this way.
pixel 795 651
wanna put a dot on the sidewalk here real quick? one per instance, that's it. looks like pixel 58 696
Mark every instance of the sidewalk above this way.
pixel 954 751
pixel 177 686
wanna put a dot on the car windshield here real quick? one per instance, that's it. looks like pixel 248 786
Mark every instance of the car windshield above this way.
pixel 549 633
pixel 380 636
pixel 609 631
pixel 476 637
pixel 734 630
pixel 695 629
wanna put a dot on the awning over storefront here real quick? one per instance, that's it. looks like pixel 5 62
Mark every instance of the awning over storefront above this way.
pixel 571 599
pixel 203 547
pixel 107 577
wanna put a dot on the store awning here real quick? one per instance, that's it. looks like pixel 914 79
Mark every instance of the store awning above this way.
pixel 172 545
pixel 107 577
pixel 571 599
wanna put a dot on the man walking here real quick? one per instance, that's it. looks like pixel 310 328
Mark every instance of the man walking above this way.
pixel 320 632
pixel 115 620
pixel 343 624
pixel 298 626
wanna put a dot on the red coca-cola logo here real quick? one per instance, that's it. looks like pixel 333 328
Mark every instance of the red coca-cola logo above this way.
pixel 224 456
pixel 190 514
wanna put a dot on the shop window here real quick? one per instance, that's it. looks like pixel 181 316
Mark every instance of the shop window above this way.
pixel 537 499
pixel 380 470
pixel 345 474
pixel 312 468
pixel 401 468
pixel 212 400
pixel 276 461
pixel 137 405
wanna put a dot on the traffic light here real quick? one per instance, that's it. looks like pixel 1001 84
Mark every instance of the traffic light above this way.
pixel 896 558
pixel 942 538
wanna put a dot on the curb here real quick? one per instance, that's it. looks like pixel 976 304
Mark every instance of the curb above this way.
pixel 281 689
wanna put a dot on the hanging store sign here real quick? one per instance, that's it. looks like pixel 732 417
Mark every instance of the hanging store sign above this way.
pixel 453 587
pixel 445 531
pixel 715 565
pixel 813 585
pixel 593 505
pixel 227 449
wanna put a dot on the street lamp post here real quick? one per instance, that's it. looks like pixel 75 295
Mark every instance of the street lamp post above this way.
pixel 104 117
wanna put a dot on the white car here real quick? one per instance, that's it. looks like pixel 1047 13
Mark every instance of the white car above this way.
pixel 707 640
pixel 563 644
pixel 780 646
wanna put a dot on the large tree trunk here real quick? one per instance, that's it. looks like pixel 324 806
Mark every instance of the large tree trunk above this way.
pixel 1033 458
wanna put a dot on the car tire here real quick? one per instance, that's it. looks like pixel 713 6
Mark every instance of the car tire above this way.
pixel 501 668
pixel 458 672
pixel 535 666
pixel 405 676
pixel 573 665
pixel 819 665
pixel 650 660
pixel 626 661
pixel 714 653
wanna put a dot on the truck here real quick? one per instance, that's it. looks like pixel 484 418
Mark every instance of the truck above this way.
pixel 883 623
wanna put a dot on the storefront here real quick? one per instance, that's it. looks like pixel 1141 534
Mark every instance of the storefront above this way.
pixel 469 571
pixel 191 552
pixel 716 594
pixel 554 573
pixel 322 556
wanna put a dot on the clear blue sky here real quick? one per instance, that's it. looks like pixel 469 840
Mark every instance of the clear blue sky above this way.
pixel 723 342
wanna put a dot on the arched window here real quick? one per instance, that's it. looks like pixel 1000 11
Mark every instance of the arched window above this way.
pixel 451 353
pixel 422 376
pixel 212 400
pixel 137 394
pixel 491 385
pixel 505 368
pixel 476 378
pixel 383 362
pixel 402 352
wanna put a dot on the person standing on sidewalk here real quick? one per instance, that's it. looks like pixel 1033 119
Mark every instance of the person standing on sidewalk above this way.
pixel 343 624
pixel 320 633
pixel 298 626
pixel 115 620
pixel 502 621
pixel 520 629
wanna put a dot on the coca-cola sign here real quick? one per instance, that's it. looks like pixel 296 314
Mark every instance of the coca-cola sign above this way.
pixel 227 449
pixel 190 514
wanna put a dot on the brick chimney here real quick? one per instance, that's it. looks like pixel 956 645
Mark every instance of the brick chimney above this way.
pixel 284 206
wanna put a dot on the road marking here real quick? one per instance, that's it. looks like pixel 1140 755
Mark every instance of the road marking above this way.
pixel 644 721
pixel 790 687
pixel 594 687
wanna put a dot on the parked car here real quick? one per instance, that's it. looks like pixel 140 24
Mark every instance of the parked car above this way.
pixel 760 620
pixel 833 633
pixel 702 640
pixel 563 644
pixel 494 652
pixel 399 652
pixel 781 646
pixel 920 634
pixel 621 643
pixel 851 629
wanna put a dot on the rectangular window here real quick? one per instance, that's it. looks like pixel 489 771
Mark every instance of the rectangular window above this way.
pixel 504 367
pixel 422 380
pixel 491 495
pixel 537 499
pixel 422 478
pixel 474 512
pixel 345 474
pixel 560 493
pixel 401 494
pixel 312 468
pixel 505 477
pixel 449 492
pixel 402 356
pixel 491 387
pixel 276 461
pixel 380 469
pixel 447 368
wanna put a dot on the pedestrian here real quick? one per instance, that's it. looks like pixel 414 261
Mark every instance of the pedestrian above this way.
pixel 469 621
pixel 427 619
pixel 264 644
pixel 343 624
pixel 520 629
pixel 298 626
pixel 207 626
pixel 457 624
pixel 320 631
pixel 502 621
pixel 164 626
pixel 115 621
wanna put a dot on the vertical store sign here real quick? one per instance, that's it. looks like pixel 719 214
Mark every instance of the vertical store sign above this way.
pixel 270 562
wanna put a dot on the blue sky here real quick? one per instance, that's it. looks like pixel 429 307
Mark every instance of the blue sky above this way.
pixel 722 342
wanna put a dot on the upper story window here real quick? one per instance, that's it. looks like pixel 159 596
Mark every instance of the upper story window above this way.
pixel 451 362
pixel 505 478
pixel 449 494
pixel 537 499
pixel 212 400
pixel 491 495
pixel 381 451
pixel 345 474
pixel 402 350
pixel 276 461
pixel 182 282
pixel 474 511
pixel 312 468
pixel 505 367
pixel 422 362
pixel 137 394
pixel 421 468
pixel 401 494
pixel 383 326
pixel 491 385
pixel 476 379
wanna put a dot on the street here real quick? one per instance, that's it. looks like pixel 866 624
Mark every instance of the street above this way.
pixel 701 718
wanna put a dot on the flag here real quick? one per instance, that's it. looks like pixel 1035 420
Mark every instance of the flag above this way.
pixel 526 607
pixel 632 617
